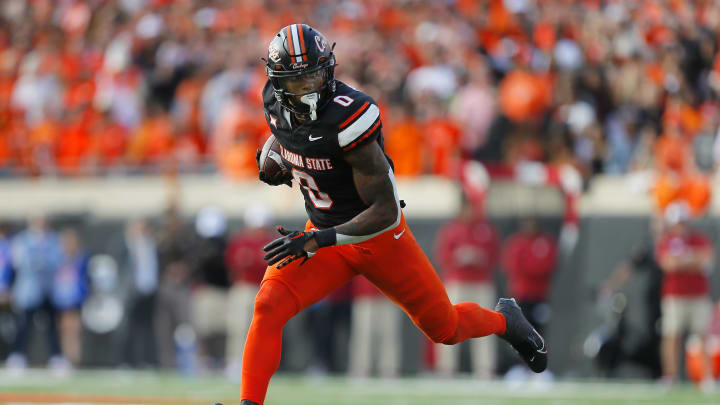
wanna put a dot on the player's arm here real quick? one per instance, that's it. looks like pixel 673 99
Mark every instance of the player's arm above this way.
pixel 372 177
pixel 373 180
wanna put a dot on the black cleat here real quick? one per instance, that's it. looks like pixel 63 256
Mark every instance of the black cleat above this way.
pixel 247 402
pixel 522 336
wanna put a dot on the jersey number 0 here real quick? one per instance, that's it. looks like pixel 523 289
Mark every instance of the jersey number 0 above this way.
pixel 319 199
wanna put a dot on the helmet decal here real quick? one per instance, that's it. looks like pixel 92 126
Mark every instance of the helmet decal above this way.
pixel 320 42
pixel 274 53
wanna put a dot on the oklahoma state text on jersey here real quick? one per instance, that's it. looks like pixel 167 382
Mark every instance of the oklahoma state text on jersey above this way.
pixel 314 150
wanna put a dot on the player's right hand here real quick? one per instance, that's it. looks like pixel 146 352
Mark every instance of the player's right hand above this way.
pixel 288 248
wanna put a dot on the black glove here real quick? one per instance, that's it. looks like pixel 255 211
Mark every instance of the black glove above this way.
pixel 291 246
pixel 283 177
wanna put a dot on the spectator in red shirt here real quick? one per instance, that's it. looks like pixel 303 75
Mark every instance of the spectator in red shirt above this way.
pixel 374 332
pixel 685 256
pixel 466 255
pixel 528 260
pixel 244 259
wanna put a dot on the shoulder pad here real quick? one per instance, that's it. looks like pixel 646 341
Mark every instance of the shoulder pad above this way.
pixel 358 115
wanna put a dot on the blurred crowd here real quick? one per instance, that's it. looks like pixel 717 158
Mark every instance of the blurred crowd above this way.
pixel 128 86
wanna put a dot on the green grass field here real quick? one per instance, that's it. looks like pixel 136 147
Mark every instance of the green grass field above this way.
pixel 126 387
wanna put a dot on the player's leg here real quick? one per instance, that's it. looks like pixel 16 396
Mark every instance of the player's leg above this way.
pixel 447 355
pixel 284 293
pixel 396 264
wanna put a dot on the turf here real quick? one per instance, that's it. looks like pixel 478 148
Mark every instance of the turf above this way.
pixel 128 387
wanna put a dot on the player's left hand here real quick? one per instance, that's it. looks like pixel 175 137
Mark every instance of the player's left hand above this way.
pixel 290 247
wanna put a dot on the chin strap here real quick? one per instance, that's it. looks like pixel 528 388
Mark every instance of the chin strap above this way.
pixel 311 100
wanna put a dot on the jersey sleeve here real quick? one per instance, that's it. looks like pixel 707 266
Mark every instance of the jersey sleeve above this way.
pixel 361 126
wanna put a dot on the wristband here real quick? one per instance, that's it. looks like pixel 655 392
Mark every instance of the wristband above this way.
pixel 326 237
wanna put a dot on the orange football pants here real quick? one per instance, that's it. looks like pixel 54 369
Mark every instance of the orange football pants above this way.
pixel 394 262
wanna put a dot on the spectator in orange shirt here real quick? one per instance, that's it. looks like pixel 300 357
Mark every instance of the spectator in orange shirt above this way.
pixel 79 93
pixel 74 145
pixel 37 149
pixel 404 141
pixel 692 189
pixel 152 141
pixel 442 138
pixel 15 132
pixel 7 83
pixel 110 141
pixel 524 96
pixel 678 179
pixel 673 152
pixel 238 134
pixel 186 106
pixel 6 140
pixel 191 145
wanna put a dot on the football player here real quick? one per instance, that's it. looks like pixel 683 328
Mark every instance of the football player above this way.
pixel 332 146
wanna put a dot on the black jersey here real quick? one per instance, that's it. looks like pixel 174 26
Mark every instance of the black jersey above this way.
pixel 314 150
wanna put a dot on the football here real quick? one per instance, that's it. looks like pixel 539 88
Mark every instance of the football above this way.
pixel 270 163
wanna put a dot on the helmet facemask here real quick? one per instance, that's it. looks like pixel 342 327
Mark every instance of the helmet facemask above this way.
pixel 304 93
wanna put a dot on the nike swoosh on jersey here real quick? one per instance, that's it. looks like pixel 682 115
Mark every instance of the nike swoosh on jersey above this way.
pixel 312 138
pixel 398 235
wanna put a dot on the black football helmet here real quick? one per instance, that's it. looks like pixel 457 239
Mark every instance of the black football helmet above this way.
pixel 301 67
